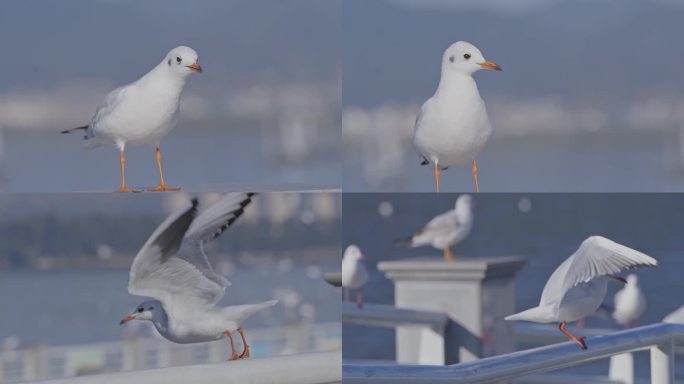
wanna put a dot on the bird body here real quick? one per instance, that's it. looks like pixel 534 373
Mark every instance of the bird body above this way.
pixel 447 229
pixel 578 286
pixel 354 272
pixel 173 269
pixel 630 303
pixel 452 126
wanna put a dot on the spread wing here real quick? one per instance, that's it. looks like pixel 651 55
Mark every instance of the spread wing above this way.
pixel 596 256
pixel 209 225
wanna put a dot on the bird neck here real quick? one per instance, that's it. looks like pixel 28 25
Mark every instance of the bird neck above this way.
pixel 161 321
pixel 161 75
pixel 452 83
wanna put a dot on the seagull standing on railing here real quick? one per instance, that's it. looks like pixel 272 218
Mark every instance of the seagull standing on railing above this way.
pixel 578 286
pixel 452 126
pixel 144 111
pixel 173 269
pixel 630 303
pixel 354 273
pixel 445 230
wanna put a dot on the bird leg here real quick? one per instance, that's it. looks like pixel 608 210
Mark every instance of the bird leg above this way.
pixel 347 293
pixel 162 187
pixel 571 337
pixel 245 352
pixel 122 161
pixel 359 298
pixel 437 176
pixel 477 184
pixel 233 353
pixel 448 256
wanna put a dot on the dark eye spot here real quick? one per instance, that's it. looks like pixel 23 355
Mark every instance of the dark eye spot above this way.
pixel 451 58
pixel 140 310
pixel 169 62
pixel 178 59
pixel 466 56
pixel 150 308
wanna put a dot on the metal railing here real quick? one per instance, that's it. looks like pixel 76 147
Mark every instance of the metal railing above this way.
pixel 659 338
pixel 310 368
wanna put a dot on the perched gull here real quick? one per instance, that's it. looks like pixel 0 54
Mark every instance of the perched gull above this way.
pixel 144 111
pixel 445 230
pixel 675 317
pixel 453 126
pixel 629 302
pixel 578 286
pixel 354 273
pixel 173 269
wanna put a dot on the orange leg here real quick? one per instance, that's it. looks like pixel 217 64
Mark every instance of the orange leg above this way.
pixel 233 353
pixel 437 176
pixel 448 256
pixel 359 298
pixel 477 184
pixel 245 353
pixel 571 337
pixel 122 161
pixel 346 294
pixel 162 187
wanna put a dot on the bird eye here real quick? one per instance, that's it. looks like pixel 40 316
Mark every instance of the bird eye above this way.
pixel 466 56
pixel 150 308
pixel 178 59
pixel 451 58
pixel 140 310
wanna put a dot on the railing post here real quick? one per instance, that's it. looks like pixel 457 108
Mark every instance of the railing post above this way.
pixel 662 363
pixel 476 294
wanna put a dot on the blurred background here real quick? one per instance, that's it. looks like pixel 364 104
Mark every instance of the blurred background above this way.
pixel 543 228
pixel 64 264
pixel 265 114
pixel 591 97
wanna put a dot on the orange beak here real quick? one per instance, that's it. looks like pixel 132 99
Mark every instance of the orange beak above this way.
pixel 126 319
pixel 490 66
pixel 362 257
pixel 195 67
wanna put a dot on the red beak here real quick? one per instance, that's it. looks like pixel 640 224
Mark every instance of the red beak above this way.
pixel 126 319
pixel 195 67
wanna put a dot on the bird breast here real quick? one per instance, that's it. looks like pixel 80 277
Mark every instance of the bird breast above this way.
pixel 583 299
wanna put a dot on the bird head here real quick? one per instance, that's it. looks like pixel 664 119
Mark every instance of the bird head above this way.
pixel 464 202
pixel 353 253
pixel 183 61
pixel 147 310
pixel 464 58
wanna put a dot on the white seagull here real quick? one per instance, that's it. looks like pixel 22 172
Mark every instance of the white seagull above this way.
pixel 173 269
pixel 675 317
pixel 445 230
pixel 629 302
pixel 578 286
pixel 453 127
pixel 144 111
pixel 354 273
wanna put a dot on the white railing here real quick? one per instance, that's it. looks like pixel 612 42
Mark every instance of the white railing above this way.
pixel 658 338
pixel 309 368
pixel 40 362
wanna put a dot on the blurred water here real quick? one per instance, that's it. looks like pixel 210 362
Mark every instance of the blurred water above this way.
pixel 84 306
pixel 546 235
pixel 612 162
pixel 195 159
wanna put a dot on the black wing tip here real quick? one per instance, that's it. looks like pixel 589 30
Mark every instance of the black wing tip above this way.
pixel 403 242
pixel 84 127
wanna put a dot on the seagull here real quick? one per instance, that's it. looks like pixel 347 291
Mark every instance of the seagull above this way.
pixel 452 126
pixel 174 271
pixel 630 303
pixel 676 317
pixel 578 286
pixel 354 273
pixel 144 111
pixel 445 230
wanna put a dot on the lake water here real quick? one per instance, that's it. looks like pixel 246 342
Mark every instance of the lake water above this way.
pixel 547 234
pixel 85 306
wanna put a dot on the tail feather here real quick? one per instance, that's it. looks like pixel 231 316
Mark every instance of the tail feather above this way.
pixel 85 127
pixel 240 313
pixel 404 242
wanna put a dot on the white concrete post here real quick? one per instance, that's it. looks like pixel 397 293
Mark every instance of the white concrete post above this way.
pixel 35 363
pixel 662 363
pixel 621 368
pixel 476 294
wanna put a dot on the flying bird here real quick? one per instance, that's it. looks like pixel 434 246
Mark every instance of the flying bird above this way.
pixel 173 270
pixel 452 126
pixel 445 230
pixel 578 286
pixel 143 112
pixel 354 273
pixel 629 302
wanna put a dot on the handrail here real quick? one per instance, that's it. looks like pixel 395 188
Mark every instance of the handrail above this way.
pixel 660 337
pixel 306 368
pixel 383 315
